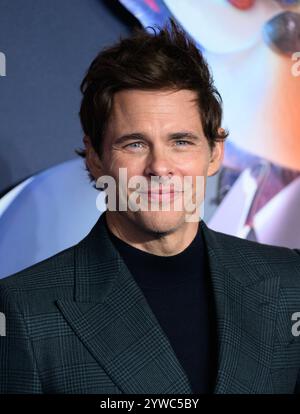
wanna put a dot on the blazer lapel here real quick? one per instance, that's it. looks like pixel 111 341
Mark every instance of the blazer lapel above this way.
pixel 112 318
pixel 246 297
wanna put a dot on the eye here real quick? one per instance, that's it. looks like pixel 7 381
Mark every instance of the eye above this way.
pixel 182 140
pixel 133 145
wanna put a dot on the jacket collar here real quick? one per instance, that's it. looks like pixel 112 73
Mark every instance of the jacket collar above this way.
pixel 111 316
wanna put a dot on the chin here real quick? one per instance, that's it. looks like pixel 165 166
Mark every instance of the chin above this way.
pixel 160 221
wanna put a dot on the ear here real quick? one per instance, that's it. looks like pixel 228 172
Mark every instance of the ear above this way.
pixel 92 160
pixel 216 158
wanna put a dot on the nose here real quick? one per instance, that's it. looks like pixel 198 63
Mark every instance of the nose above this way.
pixel 282 32
pixel 159 164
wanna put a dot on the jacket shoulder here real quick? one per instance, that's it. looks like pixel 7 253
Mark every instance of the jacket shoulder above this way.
pixel 264 251
pixel 55 269
pixel 254 258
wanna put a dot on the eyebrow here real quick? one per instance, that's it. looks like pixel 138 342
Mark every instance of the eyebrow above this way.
pixel 143 137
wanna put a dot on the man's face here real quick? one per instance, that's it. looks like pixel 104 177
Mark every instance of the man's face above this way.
pixel 157 134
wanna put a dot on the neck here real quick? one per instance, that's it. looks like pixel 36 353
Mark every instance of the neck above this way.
pixel 159 243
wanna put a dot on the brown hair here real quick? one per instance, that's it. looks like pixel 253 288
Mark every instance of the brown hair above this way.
pixel 167 59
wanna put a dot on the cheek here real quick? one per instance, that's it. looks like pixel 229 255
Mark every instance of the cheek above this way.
pixel 131 168
pixel 114 162
pixel 198 167
pixel 195 166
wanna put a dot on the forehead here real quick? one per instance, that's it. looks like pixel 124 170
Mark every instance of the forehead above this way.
pixel 133 107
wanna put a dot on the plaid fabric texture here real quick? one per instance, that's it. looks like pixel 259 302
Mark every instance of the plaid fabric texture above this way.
pixel 78 323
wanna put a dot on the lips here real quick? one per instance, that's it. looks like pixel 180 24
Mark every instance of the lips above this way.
pixel 162 192
pixel 161 195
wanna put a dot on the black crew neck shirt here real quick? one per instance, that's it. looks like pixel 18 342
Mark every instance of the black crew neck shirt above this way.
pixel 178 290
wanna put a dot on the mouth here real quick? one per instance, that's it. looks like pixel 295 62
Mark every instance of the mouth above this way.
pixel 161 194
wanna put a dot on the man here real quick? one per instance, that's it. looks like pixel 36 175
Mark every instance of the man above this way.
pixel 152 300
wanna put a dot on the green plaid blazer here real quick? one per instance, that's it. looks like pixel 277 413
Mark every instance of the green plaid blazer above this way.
pixel 78 323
